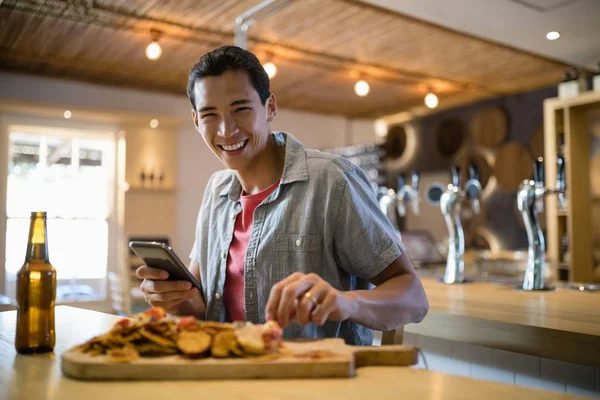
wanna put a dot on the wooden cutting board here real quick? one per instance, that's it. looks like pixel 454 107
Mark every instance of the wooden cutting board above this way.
pixel 339 360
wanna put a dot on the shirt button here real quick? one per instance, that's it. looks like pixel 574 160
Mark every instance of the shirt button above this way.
pixel 218 296
pixel 298 242
pixel 224 256
pixel 233 215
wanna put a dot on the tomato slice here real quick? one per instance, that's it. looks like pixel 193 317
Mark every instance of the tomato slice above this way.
pixel 186 321
pixel 155 312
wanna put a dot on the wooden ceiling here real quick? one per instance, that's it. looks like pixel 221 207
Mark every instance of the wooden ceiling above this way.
pixel 320 48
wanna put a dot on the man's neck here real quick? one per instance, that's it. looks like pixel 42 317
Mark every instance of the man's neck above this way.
pixel 264 171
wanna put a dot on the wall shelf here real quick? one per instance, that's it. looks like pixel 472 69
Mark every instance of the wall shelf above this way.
pixel 570 116
pixel 142 189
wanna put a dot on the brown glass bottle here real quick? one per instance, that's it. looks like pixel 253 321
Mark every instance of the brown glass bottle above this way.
pixel 36 293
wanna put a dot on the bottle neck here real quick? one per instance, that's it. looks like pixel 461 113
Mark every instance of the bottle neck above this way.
pixel 37 245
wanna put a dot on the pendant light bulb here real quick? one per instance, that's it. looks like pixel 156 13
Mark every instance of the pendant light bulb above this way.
pixel 361 88
pixel 153 51
pixel 431 100
pixel 270 69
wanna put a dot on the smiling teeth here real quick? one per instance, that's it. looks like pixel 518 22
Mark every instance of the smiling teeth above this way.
pixel 234 147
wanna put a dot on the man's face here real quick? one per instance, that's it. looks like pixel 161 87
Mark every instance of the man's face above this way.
pixel 231 118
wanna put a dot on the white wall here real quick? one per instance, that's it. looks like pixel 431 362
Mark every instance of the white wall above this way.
pixel 195 162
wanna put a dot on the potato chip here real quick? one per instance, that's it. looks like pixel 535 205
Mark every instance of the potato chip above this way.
pixel 153 349
pixel 250 339
pixel 159 340
pixel 222 343
pixel 193 343
pixel 235 348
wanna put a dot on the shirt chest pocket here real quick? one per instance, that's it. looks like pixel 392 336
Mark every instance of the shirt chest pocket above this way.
pixel 298 252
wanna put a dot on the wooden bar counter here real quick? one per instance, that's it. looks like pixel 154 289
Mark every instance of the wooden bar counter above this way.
pixel 39 377
pixel 562 324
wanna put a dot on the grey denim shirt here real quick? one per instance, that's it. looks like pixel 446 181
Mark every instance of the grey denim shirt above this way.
pixel 322 218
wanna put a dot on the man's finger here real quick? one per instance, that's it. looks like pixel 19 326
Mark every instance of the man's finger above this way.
pixel 322 312
pixel 307 304
pixel 171 296
pixel 275 294
pixel 166 286
pixel 144 272
pixel 290 294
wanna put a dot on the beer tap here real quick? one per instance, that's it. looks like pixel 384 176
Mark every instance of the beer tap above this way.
pixel 530 201
pixel 387 201
pixel 408 195
pixel 450 204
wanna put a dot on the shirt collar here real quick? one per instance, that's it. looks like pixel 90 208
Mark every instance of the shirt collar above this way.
pixel 294 167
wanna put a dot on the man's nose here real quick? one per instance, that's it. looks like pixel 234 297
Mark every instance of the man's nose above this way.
pixel 228 127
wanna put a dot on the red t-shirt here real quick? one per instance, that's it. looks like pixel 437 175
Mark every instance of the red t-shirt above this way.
pixel 233 292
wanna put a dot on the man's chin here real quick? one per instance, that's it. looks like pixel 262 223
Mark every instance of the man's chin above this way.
pixel 232 165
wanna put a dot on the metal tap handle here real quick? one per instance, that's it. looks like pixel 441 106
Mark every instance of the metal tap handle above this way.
pixel 416 177
pixel 473 172
pixel 400 180
pixel 456 175
pixel 538 171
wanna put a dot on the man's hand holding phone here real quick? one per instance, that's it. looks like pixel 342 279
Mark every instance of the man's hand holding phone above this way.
pixel 175 297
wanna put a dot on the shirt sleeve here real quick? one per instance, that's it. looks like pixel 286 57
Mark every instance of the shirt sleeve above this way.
pixel 365 241
pixel 195 253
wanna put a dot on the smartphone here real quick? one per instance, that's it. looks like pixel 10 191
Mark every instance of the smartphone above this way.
pixel 161 256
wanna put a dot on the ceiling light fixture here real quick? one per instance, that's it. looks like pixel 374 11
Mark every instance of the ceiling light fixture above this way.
pixel 552 35
pixel 431 100
pixel 154 123
pixel 67 114
pixel 153 50
pixel 361 88
pixel 270 69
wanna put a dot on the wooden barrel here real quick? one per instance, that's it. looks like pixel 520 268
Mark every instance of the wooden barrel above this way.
pixel 484 168
pixel 489 127
pixel 395 142
pixel 536 143
pixel 513 165
pixel 449 136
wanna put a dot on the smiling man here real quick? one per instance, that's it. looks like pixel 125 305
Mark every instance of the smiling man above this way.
pixel 284 233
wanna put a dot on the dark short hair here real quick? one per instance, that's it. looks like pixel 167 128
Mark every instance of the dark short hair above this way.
pixel 229 58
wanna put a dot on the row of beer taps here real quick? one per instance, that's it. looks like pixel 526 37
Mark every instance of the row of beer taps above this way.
pixel 396 203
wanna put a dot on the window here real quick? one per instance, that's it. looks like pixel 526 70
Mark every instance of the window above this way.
pixel 70 174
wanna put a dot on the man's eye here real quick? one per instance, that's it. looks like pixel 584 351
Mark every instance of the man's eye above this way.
pixel 242 109
pixel 209 115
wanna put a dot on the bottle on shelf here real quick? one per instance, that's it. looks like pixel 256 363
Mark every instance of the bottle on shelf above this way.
pixel 572 85
pixel 36 293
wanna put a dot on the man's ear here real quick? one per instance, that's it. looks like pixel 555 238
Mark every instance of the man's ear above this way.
pixel 195 118
pixel 271 108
